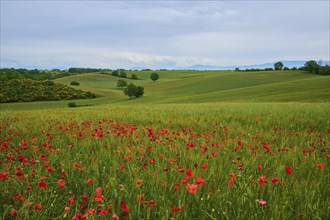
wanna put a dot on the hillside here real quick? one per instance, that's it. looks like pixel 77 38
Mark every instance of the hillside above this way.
pixel 203 86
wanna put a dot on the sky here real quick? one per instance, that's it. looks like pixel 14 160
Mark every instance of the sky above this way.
pixel 161 34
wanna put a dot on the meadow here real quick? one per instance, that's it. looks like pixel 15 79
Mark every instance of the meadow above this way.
pixel 198 145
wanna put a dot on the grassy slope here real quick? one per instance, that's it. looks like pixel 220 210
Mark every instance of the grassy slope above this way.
pixel 200 86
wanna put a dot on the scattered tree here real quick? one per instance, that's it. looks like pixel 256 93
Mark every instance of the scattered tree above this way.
pixel 121 83
pixel 154 76
pixel 311 66
pixel 134 76
pixel 72 104
pixel 278 66
pixel 115 73
pixel 122 74
pixel 133 91
pixel 237 69
pixel 74 83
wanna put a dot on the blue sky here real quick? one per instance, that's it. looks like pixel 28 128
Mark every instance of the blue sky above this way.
pixel 161 34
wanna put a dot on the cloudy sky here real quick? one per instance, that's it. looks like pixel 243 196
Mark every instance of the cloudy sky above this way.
pixel 161 34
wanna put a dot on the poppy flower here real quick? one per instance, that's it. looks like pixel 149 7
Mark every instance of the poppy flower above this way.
pixel 42 184
pixel 71 200
pixel 151 203
pixel 259 167
pixel 98 197
pixel 124 208
pixel 61 183
pixel 3 175
pixel 320 166
pixel 199 181
pixel 90 211
pixel 262 180
pixel 204 166
pixel 262 202
pixel 141 199
pixel 289 170
pixel 175 209
pixel 102 212
pixel 43 156
pixel 189 172
pixel 84 198
pixel 89 181
pixel 192 188
pixel 139 182
pixel 13 212
pixel 275 180
pixel 37 207
pixel 115 216
pixel 121 167
pixel 66 208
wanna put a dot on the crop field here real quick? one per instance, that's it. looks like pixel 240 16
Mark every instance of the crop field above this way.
pixel 205 145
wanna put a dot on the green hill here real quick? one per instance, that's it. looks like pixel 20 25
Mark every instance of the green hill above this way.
pixel 203 86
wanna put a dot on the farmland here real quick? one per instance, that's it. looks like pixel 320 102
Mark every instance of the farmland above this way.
pixel 198 145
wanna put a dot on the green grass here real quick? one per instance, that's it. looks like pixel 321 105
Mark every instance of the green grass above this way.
pixel 227 119
pixel 197 87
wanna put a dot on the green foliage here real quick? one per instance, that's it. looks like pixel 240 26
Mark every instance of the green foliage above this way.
pixel 278 66
pixel 122 74
pixel 134 91
pixel 27 90
pixel 121 83
pixel 85 70
pixel 72 105
pixel 134 76
pixel 154 76
pixel 115 73
pixel 311 66
pixel 74 83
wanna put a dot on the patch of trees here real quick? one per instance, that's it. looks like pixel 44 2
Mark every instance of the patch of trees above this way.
pixel 35 74
pixel 313 67
pixel 130 90
pixel 85 70
pixel 27 90
pixel 122 74
pixel 74 83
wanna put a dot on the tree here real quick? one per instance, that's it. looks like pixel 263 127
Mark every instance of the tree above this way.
pixel 134 76
pixel 122 74
pixel 154 76
pixel 115 73
pixel 74 83
pixel 311 66
pixel 278 66
pixel 134 91
pixel 121 83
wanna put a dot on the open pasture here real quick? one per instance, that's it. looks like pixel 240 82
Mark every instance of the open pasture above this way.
pixel 162 161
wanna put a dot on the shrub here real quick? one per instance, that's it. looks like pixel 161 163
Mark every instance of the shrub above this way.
pixel 74 83
pixel 154 76
pixel 72 105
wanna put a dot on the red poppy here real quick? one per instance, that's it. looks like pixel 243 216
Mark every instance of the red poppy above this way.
pixel 275 180
pixel 84 197
pixel 139 182
pixel 121 167
pixel 151 203
pixel 71 200
pixel 102 212
pixel 192 188
pixel 289 170
pixel 124 208
pixel 89 181
pixel 259 167
pixel 175 209
pixel 3 175
pixel 66 208
pixel 204 166
pixel 141 199
pixel 38 207
pixel 320 166
pixel 98 197
pixel 61 183
pixel 262 180
pixel 42 184
pixel 189 172
pixel 115 216
pixel 199 181
pixel 43 156
pixel 13 212
pixel 262 202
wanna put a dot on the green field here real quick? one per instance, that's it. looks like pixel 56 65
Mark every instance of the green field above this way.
pixel 237 138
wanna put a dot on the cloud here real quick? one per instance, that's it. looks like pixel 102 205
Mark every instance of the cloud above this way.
pixel 163 34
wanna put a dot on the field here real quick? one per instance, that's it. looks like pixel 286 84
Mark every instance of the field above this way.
pixel 198 145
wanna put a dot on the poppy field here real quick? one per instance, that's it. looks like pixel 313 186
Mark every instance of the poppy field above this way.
pixel 167 161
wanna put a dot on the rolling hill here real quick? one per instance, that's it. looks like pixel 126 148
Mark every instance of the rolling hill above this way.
pixel 199 86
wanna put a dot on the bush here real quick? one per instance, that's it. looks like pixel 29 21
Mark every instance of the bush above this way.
pixel 74 83
pixel 72 105
pixel 134 76
pixel 134 91
pixel 154 76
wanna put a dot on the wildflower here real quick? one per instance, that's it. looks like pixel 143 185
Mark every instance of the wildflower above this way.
pixel 98 197
pixel 275 180
pixel 141 199
pixel 259 167
pixel 189 172
pixel 13 212
pixel 89 181
pixel 102 212
pixel 192 188
pixel 199 181
pixel 139 182
pixel 3 175
pixel 262 202
pixel 289 170
pixel 124 208
pixel 115 216
pixel 204 166
pixel 42 184
pixel 320 166
pixel 151 203
pixel 61 183
pixel 37 207
pixel 66 208
pixel 43 156
pixel 262 180
pixel 71 200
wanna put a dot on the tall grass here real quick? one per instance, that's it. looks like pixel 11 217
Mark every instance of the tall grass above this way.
pixel 148 151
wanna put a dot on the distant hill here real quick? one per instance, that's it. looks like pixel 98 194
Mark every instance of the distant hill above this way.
pixel 288 64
